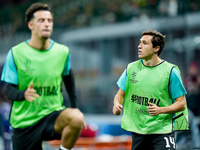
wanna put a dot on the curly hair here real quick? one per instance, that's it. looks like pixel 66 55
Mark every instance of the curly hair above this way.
pixel 33 8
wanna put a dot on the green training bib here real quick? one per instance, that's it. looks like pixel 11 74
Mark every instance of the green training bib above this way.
pixel 44 68
pixel 149 84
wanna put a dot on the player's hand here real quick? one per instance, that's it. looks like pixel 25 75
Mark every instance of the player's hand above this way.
pixel 30 93
pixel 117 109
pixel 154 110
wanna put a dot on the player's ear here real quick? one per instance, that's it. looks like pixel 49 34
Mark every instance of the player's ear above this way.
pixel 30 25
pixel 157 48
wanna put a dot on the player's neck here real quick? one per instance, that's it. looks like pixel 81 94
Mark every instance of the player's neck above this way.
pixel 39 44
pixel 152 62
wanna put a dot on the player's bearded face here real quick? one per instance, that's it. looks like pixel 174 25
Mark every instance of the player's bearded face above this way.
pixel 42 24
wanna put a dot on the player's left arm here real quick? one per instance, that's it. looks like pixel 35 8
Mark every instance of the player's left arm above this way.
pixel 70 87
pixel 177 93
pixel 69 82
pixel 178 105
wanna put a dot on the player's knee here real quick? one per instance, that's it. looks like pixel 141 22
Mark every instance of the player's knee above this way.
pixel 77 119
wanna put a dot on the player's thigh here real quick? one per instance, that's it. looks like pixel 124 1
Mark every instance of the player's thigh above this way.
pixel 47 126
pixel 140 142
pixel 66 117
pixel 164 142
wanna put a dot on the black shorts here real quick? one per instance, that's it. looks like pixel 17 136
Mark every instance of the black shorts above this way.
pixel 30 138
pixel 153 142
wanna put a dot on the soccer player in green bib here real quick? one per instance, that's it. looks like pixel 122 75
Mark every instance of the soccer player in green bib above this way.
pixel 34 71
pixel 152 97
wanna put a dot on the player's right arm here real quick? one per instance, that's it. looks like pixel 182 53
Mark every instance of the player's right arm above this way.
pixel 118 102
pixel 13 93
pixel 10 76
pixel 119 97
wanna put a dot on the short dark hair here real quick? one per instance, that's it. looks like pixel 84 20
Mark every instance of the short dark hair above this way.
pixel 33 8
pixel 157 39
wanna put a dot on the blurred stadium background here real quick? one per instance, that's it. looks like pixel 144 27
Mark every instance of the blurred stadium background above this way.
pixel 103 37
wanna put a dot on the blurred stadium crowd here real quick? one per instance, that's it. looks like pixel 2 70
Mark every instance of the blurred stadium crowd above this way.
pixel 72 14
pixel 100 52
